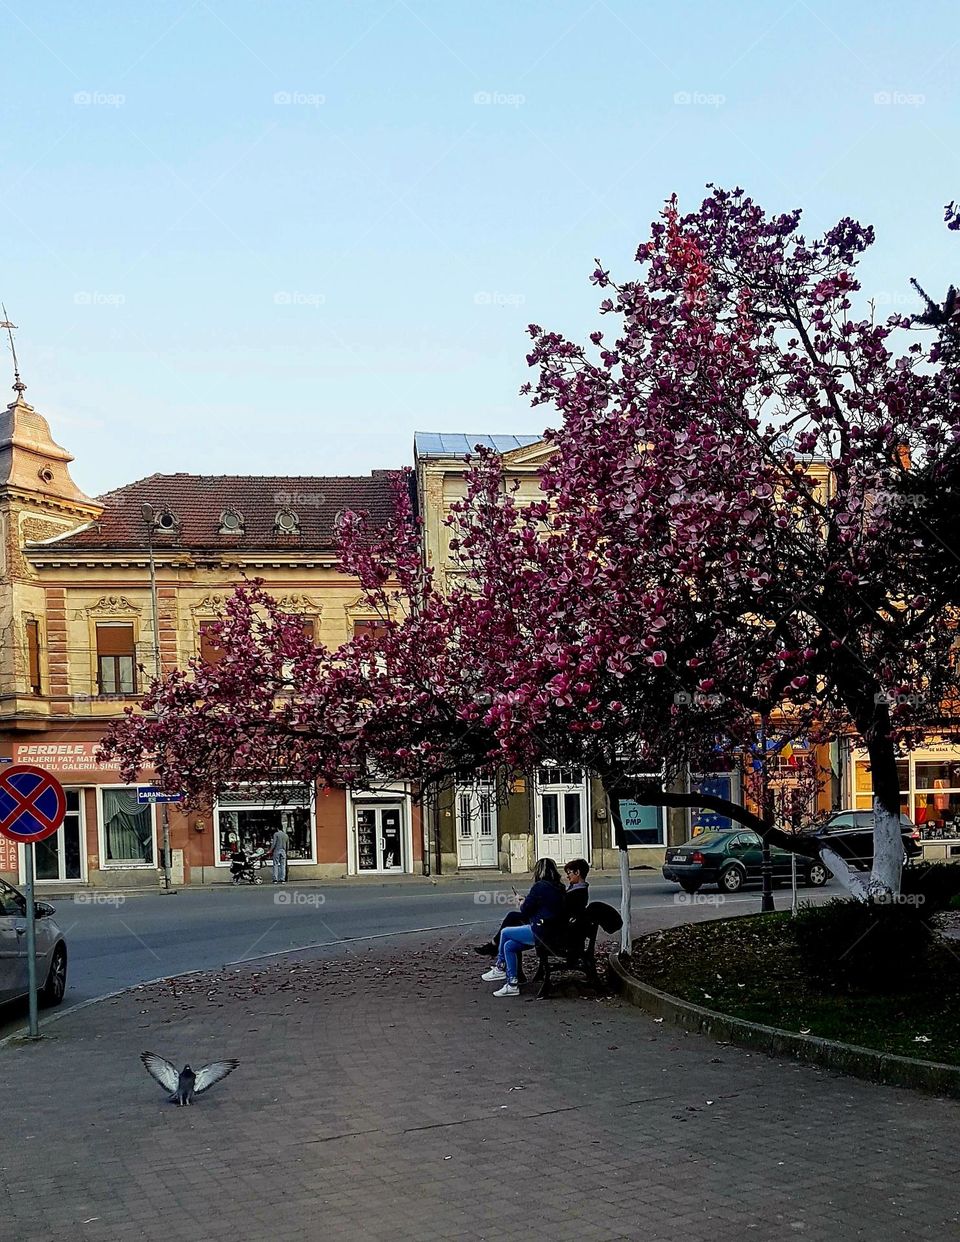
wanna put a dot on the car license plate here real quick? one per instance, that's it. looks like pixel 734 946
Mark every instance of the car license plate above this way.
pixel 679 858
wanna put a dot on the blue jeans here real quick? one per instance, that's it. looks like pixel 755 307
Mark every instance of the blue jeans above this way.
pixel 511 941
pixel 279 866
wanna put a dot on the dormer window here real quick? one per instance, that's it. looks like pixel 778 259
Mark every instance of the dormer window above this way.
pixel 287 522
pixel 165 520
pixel 231 522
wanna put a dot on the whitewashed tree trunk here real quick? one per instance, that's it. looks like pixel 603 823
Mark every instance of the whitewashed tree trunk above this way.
pixel 884 879
pixel 887 849
pixel 625 897
pixel 855 882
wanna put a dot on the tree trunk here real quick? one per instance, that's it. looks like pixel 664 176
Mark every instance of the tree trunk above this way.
pixel 625 886
pixel 887 840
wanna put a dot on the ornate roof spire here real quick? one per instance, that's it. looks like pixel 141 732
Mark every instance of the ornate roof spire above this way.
pixel 19 387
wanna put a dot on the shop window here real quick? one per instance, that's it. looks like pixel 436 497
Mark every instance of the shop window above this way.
pixel 116 658
pixel 127 828
pixel 937 775
pixel 33 657
pixel 210 650
pixel 643 825
pixel 702 818
pixel 249 822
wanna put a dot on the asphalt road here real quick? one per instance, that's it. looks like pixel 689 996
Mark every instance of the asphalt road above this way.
pixel 116 941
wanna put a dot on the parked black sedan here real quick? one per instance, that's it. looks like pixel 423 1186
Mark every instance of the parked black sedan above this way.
pixel 850 833
pixel 730 859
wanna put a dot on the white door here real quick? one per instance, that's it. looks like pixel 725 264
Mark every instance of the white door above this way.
pixel 60 856
pixel 476 827
pixel 379 838
pixel 561 814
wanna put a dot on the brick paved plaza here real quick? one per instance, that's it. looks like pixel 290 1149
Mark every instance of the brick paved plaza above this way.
pixel 385 1094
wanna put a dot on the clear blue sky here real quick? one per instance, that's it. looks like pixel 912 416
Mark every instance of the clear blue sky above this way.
pixel 281 235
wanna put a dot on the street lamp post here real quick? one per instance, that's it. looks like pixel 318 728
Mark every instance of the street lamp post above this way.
pixel 766 867
pixel 148 517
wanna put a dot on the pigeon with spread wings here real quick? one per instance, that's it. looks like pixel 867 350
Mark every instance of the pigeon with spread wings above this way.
pixel 184 1084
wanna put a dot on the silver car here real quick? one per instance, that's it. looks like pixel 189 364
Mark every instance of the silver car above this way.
pixel 51 949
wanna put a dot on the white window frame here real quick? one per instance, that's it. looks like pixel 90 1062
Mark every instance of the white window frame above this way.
pixel 80 791
pixel 560 788
pixel 254 805
pixel 124 865
pixel 478 790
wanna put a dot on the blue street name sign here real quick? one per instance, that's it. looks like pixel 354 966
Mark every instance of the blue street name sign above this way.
pixel 148 794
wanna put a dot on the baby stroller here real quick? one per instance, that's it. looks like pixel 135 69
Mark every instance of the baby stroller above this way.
pixel 245 869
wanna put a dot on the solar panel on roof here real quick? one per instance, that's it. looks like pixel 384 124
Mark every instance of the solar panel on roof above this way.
pixel 459 444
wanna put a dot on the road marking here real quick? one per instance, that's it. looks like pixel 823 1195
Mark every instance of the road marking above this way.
pixel 325 944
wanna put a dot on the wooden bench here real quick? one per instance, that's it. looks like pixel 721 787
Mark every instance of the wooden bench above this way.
pixel 576 949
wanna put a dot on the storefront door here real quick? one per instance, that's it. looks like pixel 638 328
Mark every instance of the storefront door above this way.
pixel 476 827
pixel 561 811
pixel 60 857
pixel 379 838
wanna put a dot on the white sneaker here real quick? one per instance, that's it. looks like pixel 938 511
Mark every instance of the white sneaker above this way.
pixel 493 975
pixel 508 989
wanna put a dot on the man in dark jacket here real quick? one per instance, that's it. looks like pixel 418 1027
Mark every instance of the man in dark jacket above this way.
pixel 578 890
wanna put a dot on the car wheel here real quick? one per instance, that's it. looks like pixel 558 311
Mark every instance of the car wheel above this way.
pixel 817 875
pixel 688 886
pixel 52 991
pixel 731 880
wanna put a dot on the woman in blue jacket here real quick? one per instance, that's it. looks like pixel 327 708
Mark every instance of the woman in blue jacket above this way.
pixel 542 908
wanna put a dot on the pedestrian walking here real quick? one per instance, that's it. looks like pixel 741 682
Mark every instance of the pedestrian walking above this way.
pixel 279 846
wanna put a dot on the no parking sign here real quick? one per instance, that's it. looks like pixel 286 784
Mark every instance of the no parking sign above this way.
pixel 32 803
pixel 32 807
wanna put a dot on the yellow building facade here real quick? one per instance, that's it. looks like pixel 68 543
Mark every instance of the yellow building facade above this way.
pixel 76 615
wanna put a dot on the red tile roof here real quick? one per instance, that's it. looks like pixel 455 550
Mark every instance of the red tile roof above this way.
pixel 197 502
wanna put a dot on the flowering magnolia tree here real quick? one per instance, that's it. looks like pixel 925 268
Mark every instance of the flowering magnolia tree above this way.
pixel 738 526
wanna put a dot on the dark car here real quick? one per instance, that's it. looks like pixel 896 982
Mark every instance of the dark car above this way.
pixel 850 833
pixel 730 859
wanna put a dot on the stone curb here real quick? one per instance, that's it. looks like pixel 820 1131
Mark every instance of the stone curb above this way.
pixel 879 1067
